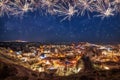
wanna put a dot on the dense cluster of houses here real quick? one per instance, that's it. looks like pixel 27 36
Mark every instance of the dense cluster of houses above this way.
pixel 64 60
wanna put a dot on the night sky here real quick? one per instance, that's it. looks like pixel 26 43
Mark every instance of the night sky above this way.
pixel 48 28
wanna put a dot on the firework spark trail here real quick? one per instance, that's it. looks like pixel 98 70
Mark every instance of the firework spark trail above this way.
pixel 85 6
pixel 22 7
pixel 48 5
pixel 117 5
pixel 5 7
pixel 65 8
pixel 104 8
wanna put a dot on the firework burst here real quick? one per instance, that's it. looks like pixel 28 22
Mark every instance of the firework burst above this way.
pixel 64 8
pixel 85 6
pixel 21 7
pixel 104 8
pixel 48 5
pixel 5 7
pixel 116 3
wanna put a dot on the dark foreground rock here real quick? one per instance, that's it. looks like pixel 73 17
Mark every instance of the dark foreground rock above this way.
pixel 16 72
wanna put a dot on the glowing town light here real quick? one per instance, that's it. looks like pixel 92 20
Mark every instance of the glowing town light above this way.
pixel 47 62
pixel 106 68
pixel 43 56
pixel 11 51
pixel 79 69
